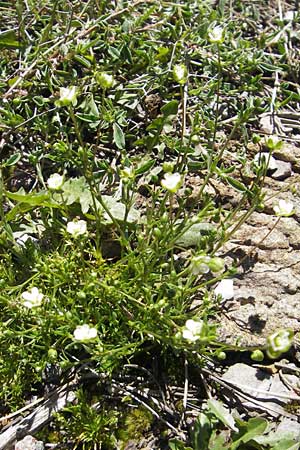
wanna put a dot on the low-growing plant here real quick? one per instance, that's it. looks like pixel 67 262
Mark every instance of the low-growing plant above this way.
pixel 106 251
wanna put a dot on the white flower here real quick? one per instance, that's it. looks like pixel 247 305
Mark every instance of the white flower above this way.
pixel 32 298
pixel 192 330
pixel 55 181
pixel 84 333
pixel 105 80
pixel 284 208
pixel 225 289
pixel 216 34
pixel 180 73
pixel 265 158
pixel 67 96
pixel 77 227
pixel 279 342
pixel 172 182
pixel 199 264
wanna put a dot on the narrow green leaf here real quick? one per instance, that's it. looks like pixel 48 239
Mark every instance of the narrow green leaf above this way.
pixel 34 199
pixel 119 138
pixel 237 185
pixel 12 160
pixel 145 167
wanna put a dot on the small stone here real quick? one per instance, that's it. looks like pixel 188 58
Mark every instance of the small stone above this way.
pixel 288 153
pixel 29 443
pixel 283 171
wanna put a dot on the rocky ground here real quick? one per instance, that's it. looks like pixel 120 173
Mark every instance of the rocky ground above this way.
pixel 267 295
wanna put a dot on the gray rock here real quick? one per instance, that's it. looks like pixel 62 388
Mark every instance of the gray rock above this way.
pixel 29 443
pixel 283 170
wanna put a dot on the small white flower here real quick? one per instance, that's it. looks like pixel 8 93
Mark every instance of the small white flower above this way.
pixel 55 181
pixel 192 330
pixel 216 34
pixel 84 333
pixel 225 289
pixel 105 80
pixel 180 73
pixel 171 182
pixel 199 264
pixel 284 208
pixel 279 342
pixel 77 227
pixel 32 298
pixel 67 96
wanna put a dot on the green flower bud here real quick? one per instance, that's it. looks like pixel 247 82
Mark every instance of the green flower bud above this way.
pixel 168 167
pixel 216 264
pixel 81 295
pixel 257 355
pixel 216 34
pixel 221 355
pixel 52 354
pixel 157 232
pixel 273 142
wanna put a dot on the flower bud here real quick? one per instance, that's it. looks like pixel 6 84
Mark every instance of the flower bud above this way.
pixel 257 355
pixel 216 264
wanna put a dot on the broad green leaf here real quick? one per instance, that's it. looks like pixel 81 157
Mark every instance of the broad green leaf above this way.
pixel 89 107
pixel 192 236
pixel 170 109
pixel 201 432
pixel 278 440
pixel 217 408
pixel 118 210
pixel 119 138
pixel 217 441
pixel 287 445
pixel 175 444
pixel 89 118
pixel 256 426
pixel 82 60
pixel 77 190
pixel 9 39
